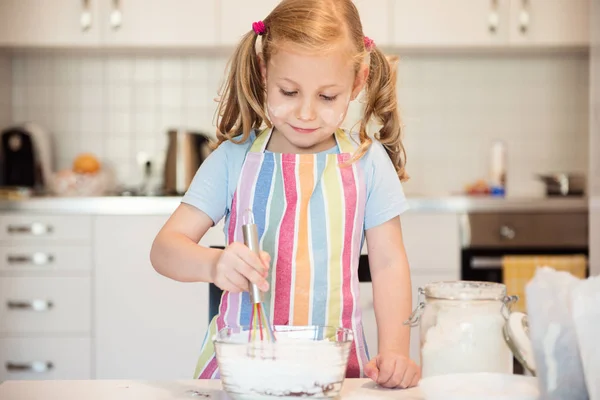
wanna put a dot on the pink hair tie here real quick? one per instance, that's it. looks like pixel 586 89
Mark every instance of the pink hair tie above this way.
pixel 259 28
pixel 369 43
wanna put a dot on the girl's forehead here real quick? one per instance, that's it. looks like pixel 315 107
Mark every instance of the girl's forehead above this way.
pixel 334 65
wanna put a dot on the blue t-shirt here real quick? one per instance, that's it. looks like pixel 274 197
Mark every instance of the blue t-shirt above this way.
pixel 216 180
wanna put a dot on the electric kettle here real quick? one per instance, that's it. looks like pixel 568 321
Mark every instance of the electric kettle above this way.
pixel 186 151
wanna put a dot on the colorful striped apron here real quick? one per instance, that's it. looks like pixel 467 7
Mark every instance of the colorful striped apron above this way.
pixel 309 209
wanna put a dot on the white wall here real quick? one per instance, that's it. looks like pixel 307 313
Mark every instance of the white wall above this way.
pixel 453 106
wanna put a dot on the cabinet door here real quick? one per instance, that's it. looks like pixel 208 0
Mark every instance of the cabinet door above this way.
pixel 375 17
pixel 236 18
pixel 49 23
pixel 550 22
pixel 149 23
pixel 147 326
pixel 456 23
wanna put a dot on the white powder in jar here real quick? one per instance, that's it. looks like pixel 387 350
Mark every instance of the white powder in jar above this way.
pixel 464 339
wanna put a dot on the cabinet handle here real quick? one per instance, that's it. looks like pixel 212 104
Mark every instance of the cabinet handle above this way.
pixel 116 16
pixel 34 366
pixel 34 305
pixel 486 262
pixel 35 258
pixel 524 17
pixel 86 16
pixel 493 19
pixel 35 228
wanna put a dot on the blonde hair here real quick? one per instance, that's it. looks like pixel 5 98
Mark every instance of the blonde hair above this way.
pixel 314 25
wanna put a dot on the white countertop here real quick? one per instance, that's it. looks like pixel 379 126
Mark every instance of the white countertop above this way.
pixel 353 389
pixel 166 205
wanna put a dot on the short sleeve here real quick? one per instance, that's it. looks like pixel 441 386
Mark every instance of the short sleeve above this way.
pixel 385 195
pixel 209 188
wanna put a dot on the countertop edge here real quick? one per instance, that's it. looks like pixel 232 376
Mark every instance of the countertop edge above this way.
pixel 166 205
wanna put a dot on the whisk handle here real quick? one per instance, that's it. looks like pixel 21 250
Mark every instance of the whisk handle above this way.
pixel 251 240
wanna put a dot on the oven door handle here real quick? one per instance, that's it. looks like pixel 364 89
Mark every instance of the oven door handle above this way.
pixel 486 262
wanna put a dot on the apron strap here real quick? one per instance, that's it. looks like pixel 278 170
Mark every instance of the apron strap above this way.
pixel 262 139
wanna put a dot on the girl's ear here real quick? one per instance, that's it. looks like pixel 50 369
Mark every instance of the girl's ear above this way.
pixel 360 80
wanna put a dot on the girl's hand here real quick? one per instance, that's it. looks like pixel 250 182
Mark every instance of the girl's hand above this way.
pixel 238 265
pixel 393 370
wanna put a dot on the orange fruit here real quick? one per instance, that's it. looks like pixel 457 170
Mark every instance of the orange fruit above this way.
pixel 86 163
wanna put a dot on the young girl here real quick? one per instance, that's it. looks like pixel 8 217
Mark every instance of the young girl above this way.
pixel 316 190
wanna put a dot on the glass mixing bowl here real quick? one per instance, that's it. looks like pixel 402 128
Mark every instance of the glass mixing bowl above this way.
pixel 306 361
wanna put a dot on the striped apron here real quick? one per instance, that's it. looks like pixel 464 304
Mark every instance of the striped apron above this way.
pixel 309 212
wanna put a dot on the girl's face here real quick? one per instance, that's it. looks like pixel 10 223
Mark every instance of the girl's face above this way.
pixel 308 97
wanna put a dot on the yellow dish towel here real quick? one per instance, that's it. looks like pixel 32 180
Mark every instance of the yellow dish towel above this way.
pixel 518 270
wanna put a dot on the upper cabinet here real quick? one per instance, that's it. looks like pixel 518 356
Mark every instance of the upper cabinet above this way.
pixel 236 18
pixel 450 23
pixel 375 18
pixel 490 23
pixel 550 22
pixel 69 23
pixel 181 23
pixel 221 23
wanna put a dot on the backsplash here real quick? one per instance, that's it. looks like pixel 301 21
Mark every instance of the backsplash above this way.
pixel 453 107
pixel 5 90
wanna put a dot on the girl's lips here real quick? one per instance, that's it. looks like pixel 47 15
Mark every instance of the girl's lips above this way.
pixel 303 130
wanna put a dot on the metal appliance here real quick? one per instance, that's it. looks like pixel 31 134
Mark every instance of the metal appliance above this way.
pixel 186 151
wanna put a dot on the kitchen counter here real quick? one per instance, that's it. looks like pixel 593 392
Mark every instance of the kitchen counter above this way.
pixel 166 205
pixel 354 389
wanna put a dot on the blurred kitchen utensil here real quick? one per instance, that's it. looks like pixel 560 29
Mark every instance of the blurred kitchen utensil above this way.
pixel 186 151
pixel 563 184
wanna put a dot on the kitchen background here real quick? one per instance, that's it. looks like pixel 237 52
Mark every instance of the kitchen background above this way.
pixel 453 107
pixel 111 77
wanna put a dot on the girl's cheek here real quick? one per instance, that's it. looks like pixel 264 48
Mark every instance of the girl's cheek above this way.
pixel 280 109
pixel 334 115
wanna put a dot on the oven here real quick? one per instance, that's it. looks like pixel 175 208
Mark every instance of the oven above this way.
pixel 489 236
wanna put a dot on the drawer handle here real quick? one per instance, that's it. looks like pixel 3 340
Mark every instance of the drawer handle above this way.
pixel 34 305
pixel 35 258
pixel 36 229
pixel 34 366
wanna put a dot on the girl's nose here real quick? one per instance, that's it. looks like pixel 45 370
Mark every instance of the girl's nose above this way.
pixel 306 112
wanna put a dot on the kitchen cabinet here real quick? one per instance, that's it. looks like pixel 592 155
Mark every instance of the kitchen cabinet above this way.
pixel 107 23
pixel 376 20
pixel 45 296
pixel 149 23
pixel 549 22
pixel 490 23
pixel 147 326
pixel 50 23
pixel 236 17
pixel 443 23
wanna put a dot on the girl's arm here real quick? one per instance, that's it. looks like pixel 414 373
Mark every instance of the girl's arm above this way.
pixel 392 300
pixel 392 296
pixel 175 252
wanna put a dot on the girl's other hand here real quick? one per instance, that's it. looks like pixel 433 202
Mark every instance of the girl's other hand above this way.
pixel 393 370
pixel 238 266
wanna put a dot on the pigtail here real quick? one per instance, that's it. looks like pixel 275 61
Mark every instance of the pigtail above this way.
pixel 242 95
pixel 382 105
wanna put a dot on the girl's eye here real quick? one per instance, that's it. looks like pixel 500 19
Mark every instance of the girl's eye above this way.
pixel 328 98
pixel 286 93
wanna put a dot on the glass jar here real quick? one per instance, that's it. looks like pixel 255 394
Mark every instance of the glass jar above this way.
pixel 462 328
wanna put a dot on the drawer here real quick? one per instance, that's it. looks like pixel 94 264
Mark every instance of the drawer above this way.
pixel 30 227
pixel 45 305
pixel 45 358
pixel 45 257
